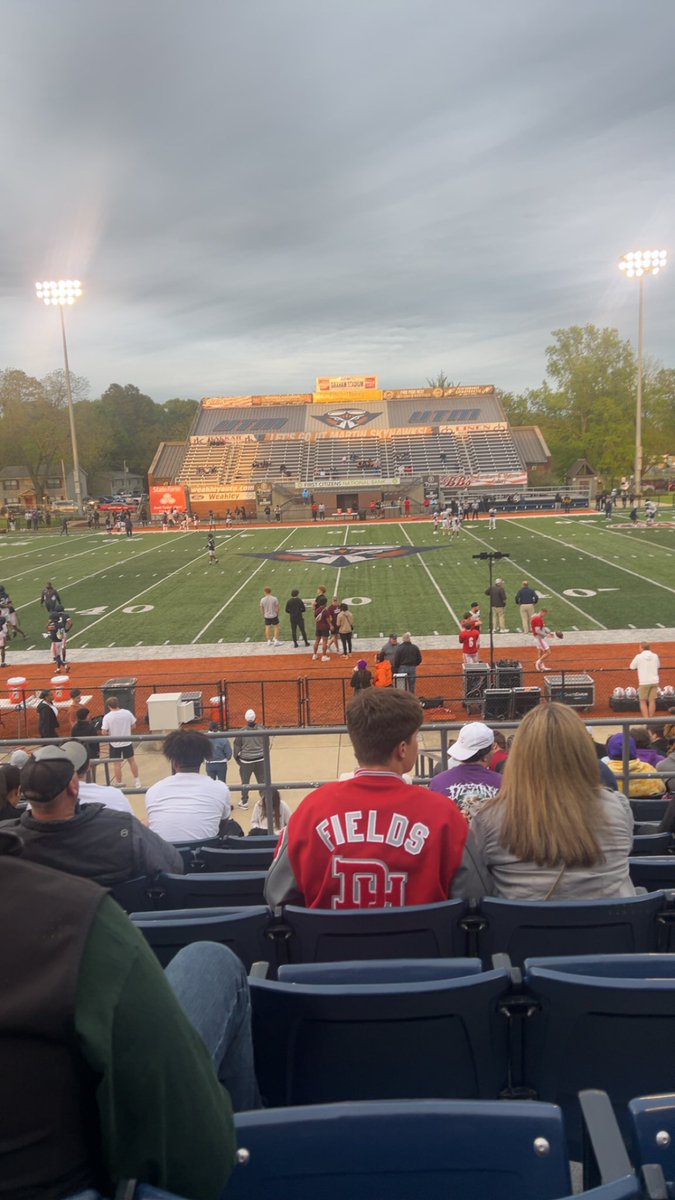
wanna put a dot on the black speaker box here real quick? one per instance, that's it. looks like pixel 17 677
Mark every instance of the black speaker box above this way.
pixel 525 698
pixel 497 704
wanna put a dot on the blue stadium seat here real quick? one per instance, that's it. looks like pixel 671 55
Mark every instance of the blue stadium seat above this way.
pixel 649 810
pixel 232 890
pixel 652 1120
pixel 385 970
pixel 420 931
pixel 253 841
pixel 655 873
pixel 440 1038
pixel 138 895
pixel 436 1149
pixel 606 1022
pixel 253 858
pixel 651 843
pixel 242 929
pixel 527 928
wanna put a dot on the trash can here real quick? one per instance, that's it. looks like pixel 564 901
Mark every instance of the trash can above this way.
pixel 124 689
pixel 363 515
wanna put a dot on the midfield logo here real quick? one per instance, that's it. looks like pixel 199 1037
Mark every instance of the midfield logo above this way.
pixel 343 556
pixel 346 418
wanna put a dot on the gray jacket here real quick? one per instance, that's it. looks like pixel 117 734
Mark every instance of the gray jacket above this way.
pixel 515 880
pixel 497 595
pixel 249 749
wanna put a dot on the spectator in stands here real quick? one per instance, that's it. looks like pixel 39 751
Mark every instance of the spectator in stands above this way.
pixel 90 792
pixel 92 841
pixel 295 607
pixel 187 806
pixel 500 753
pixel 469 781
pixel 361 676
pixel 553 831
pixel 84 728
pixel 249 756
pixel 383 674
pixel 10 792
pixel 645 751
pixel 221 753
pixel 374 840
pixel 407 659
pixel 281 815
pixel 106 1062
pixel 648 785
pixel 658 739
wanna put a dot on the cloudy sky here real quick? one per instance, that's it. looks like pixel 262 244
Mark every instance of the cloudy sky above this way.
pixel 255 192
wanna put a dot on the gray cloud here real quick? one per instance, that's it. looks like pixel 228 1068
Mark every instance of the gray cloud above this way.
pixel 256 192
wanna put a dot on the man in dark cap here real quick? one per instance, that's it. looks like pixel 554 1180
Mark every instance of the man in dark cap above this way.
pixel 92 841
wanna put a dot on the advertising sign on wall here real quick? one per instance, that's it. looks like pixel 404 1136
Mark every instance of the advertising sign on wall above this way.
pixel 163 499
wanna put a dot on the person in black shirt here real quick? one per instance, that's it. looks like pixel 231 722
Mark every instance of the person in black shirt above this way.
pixel 295 608
pixel 48 716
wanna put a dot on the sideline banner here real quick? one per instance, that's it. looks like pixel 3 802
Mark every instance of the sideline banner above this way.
pixel 163 499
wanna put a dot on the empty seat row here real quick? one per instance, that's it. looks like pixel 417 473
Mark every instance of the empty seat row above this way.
pixel 174 910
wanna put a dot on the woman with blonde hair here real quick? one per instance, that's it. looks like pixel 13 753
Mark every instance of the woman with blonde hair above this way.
pixel 553 832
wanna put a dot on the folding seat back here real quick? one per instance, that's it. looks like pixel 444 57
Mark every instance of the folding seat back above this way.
pixel 434 1149
pixel 652 1120
pixel 242 929
pixel 655 872
pixel 253 858
pixel 420 931
pixel 606 1022
pixel 385 970
pixel 645 844
pixel 253 841
pixel 437 1038
pixel 528 928
pixel 649 810
pixel 227 890
pixel 138 895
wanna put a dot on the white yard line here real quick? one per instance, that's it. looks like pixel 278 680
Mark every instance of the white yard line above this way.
pixel 422 563
pixel 132 599
pixel 339 570
pixel 592 554
pixel 264 563
pixel 527 574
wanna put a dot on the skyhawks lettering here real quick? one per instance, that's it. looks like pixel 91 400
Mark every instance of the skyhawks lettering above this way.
pixel 372 827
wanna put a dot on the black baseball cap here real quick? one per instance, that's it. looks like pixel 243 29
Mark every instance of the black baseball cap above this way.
pixel 46 774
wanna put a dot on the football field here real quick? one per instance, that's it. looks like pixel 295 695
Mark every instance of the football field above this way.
pixel 159 590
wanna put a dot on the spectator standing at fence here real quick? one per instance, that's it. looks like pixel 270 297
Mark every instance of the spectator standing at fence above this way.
pixel 295 608
pixel 383 674
pixel 117 724
pixel 374 840
pixel 361 676
pixel 269 607
pixel 390 647
pixel 345 628
pixel 187 806
pixel 221 753
pixel 647 665
pixel 407 659
pixel 48 715
pixel 526 598
pixel 553 831
pixel 250 757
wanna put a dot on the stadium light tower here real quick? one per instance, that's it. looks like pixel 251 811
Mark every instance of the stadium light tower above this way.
pixel 636 265
pixel 61 292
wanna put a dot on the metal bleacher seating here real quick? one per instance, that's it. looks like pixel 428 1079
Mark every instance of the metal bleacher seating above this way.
pixel 242 929
pixel 402 1150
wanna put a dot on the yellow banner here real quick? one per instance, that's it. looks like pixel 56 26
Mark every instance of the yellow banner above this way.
pixel 375 394
pixel 341 384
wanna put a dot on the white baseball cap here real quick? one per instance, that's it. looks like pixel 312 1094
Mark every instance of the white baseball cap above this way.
pixel 249 715
pixel 472 738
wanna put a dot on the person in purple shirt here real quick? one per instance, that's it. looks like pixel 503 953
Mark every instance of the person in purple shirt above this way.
pixel 644 748
pixel 469 781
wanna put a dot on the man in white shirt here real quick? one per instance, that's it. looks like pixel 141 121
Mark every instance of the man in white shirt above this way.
pixel 269 607
pixel 118 724
pixel 94 793
pixel 647 664
pixel 187 806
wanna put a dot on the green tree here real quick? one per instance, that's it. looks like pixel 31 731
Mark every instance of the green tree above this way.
pixel 176 418
pixel 134 424
pixel 441 381
pixel 589 367
pixel 33 429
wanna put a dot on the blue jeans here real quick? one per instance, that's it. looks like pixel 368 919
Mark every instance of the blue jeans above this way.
pixel 210 984
pixel 411 672
pixel 217 770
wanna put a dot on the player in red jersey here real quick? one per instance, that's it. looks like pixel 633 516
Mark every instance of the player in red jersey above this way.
pixel 375 841
pixel 541 634
pixel 469 636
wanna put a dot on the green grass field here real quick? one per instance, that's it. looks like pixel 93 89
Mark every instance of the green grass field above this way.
pixel 159 590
